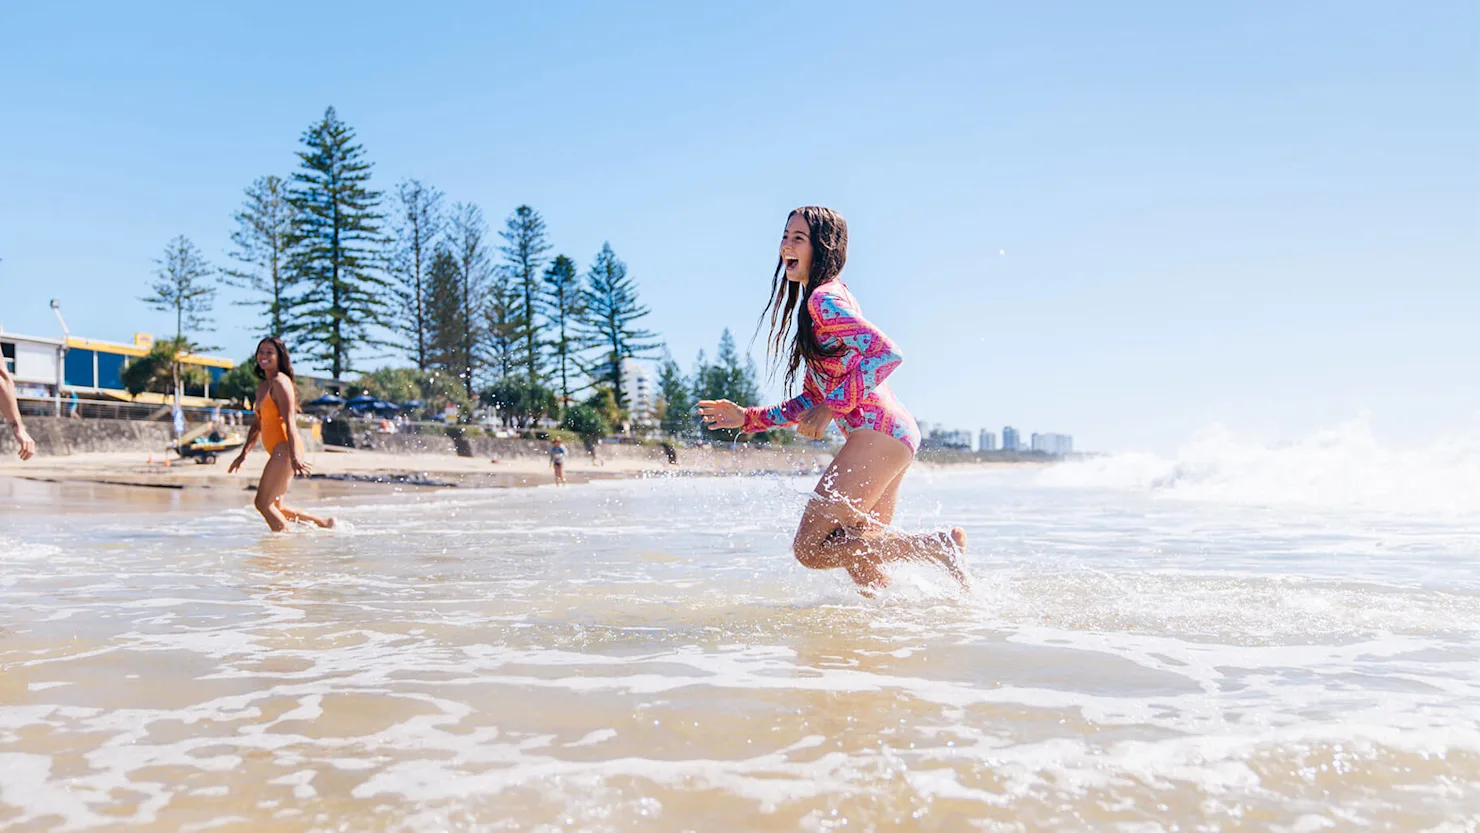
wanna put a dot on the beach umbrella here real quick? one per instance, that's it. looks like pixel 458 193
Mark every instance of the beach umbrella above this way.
pixel 364 400
pixel 328 400
pixel 381 406
pixel 412 405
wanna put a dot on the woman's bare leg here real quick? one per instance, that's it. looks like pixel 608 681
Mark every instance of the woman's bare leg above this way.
pixel 883 512
pixel 840 527
pixel 276 476
pixel 300 516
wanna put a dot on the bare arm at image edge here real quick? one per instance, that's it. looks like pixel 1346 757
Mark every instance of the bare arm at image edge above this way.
pixel 10 408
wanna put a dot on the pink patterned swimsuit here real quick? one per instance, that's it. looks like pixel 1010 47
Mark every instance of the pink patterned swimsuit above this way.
pixel 850 383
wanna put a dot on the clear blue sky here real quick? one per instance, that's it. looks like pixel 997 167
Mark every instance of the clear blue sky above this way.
pixel 1264 213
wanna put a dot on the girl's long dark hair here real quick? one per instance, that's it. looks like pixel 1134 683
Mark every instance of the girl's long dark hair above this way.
pixel 829 233
pixel 285 364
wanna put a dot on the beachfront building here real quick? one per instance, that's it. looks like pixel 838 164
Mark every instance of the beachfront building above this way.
pixel 47 368
pixel 638 387
pixel 986 441
pixel 1057 444
pixel 1010 439
pixel 34 363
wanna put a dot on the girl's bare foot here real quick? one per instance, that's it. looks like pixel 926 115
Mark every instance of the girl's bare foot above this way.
pixel 868 578
pixel 328 523
pixel 952 556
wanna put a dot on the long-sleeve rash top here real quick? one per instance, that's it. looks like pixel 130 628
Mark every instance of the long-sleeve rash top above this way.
pixel 850 382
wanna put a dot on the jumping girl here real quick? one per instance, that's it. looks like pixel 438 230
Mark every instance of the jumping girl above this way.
pixel 846 524
pixel 277 402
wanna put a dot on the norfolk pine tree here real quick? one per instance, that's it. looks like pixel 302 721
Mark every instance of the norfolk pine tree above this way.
pixel 336 245
pixel 503 328
pixel 564 310
pixel 446 322
pixel 612 310
pixel 466 232
pixel 726 379
pixel 264 227
pixel 675 398
pixel 417 223
pixel 524 254
pixel 181 287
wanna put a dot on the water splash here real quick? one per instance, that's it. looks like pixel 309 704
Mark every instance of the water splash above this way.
pixel 1343 466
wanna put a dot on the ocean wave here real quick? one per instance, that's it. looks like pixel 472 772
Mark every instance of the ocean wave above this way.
pixel 1343 466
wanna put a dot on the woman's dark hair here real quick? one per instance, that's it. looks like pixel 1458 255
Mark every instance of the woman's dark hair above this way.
pixel 829 233
pixel 285 365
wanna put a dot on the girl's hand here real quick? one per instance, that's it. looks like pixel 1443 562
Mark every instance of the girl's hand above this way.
pixel 237 463
pixel 814 422
pixel 300 465
pixel 23 439
pixel 721 413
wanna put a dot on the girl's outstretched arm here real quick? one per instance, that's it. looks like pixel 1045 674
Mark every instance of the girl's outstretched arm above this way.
pixel 868 354
pixel 761 418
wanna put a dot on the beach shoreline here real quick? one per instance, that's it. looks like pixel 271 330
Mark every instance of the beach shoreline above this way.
pixel 369 470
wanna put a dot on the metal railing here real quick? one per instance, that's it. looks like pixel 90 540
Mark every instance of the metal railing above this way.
pixel 104 409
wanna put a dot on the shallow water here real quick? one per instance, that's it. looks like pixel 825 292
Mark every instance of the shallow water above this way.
pixel 646 655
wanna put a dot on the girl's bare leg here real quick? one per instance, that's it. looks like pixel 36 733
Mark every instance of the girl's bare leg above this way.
pixel 950 558
pixel 844 525
pixel 300 516
pixel 864 573
pixel 276 476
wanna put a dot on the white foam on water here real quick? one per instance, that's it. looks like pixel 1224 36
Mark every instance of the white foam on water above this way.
pixel 12 550
pixel 1113 651
pixel 1344 466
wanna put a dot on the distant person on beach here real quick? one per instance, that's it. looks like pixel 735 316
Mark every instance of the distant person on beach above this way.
pixel 277 404
pixel 557 461
pixel 847 522
pixel 10 408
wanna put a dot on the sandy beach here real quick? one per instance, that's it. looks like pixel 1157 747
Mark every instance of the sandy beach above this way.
pixel 163 469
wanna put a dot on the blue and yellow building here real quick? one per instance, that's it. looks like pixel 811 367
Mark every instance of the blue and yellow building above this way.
pixel 93 369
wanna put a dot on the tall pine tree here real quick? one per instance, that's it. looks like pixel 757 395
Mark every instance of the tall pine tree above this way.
pixel 564 309
pixel 181 287
pixel 264 227
pixel 524 255
pixel 335 251
pixel 503 329
pixel 675 398
pixel 612 311
pixel 418 224
pixel 446 321
pixel 727 379
pixel 466 233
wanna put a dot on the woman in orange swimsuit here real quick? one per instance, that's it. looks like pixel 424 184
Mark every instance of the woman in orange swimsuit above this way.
pixel 847 523
pixel 277 402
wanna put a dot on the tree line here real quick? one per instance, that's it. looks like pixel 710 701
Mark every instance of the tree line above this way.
pixel 339 269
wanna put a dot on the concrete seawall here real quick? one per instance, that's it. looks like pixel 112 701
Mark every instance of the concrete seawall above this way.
pixel 62 436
